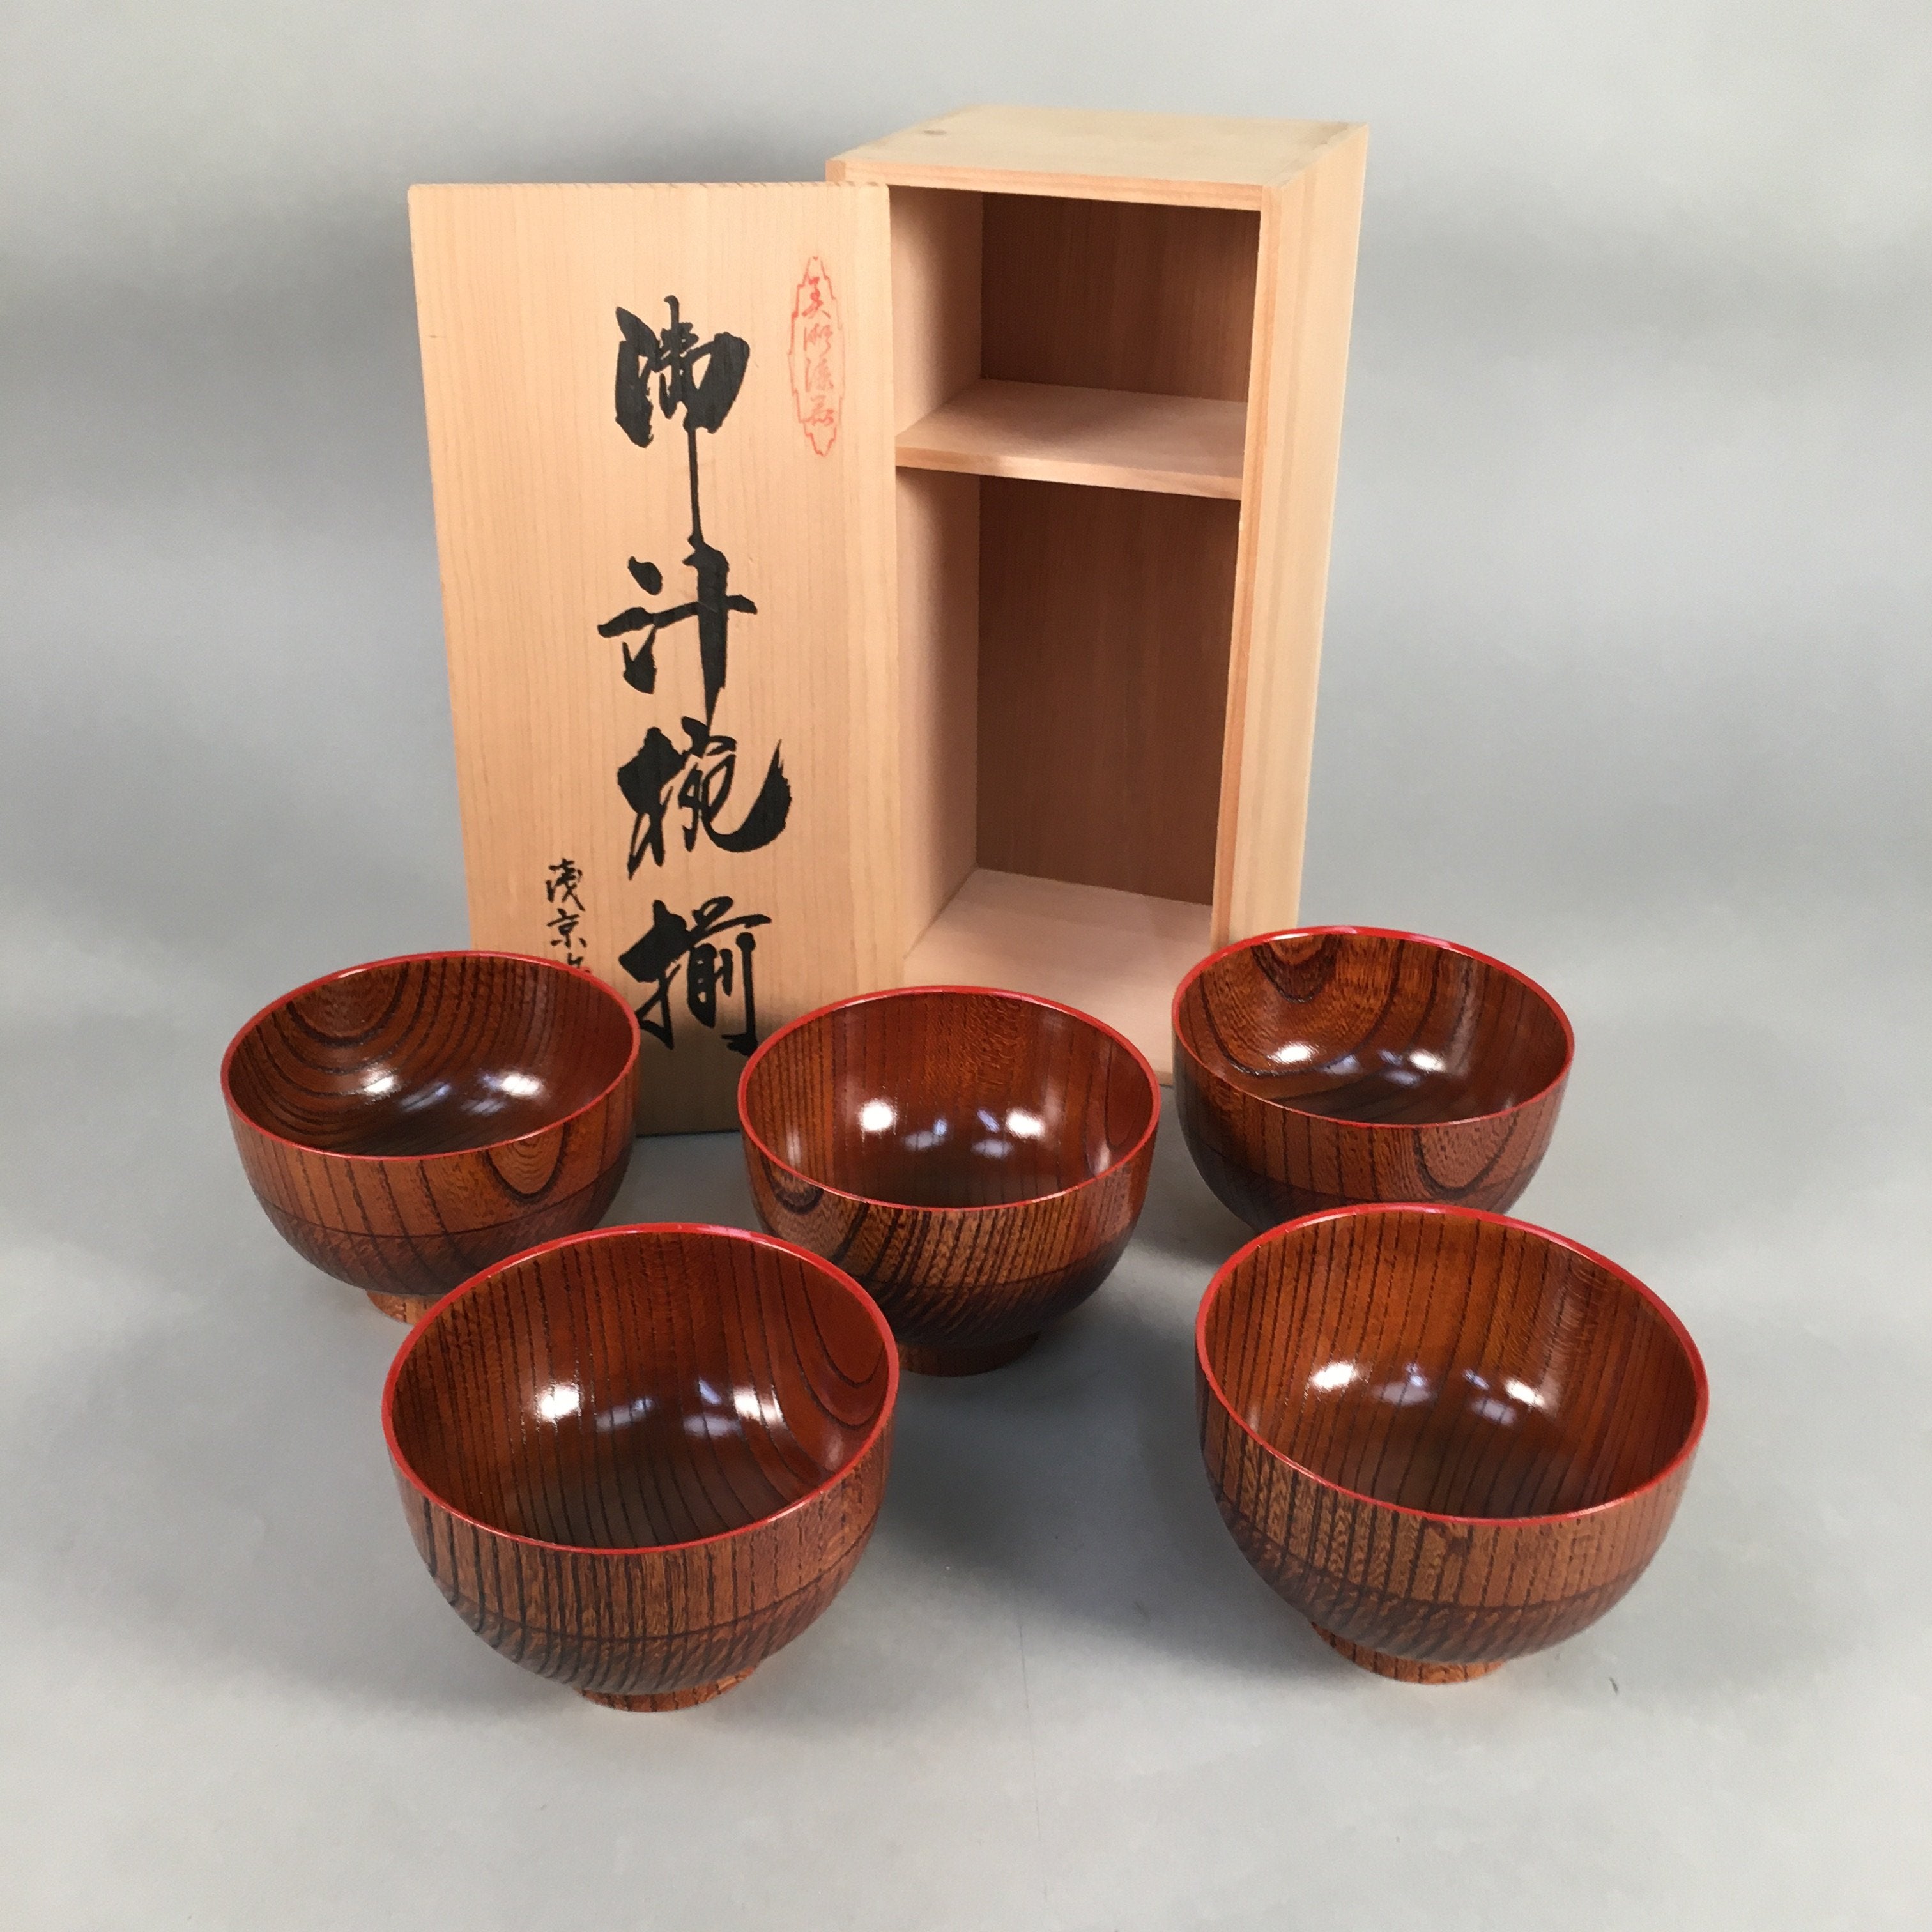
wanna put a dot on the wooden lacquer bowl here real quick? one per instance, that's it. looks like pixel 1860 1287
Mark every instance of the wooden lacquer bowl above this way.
pixel 1448 1438
pixel 638 1461
pixel 407 1122
pixel 976 1159
pixel 1339 1064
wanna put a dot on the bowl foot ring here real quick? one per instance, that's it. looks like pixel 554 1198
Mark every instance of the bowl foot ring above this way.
pixel 1404 1669
pixel 668 1700
pixel 409 1308
pixel 971 1360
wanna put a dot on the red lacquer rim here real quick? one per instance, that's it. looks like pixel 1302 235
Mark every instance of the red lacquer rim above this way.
pixel 880 1423
pixel 415 959
pixel 1503 966
pixel 1648 1295
pixel 1119 1038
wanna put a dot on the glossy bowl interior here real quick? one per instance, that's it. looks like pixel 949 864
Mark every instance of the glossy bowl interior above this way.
pixel 434 1054
pixel 1380 1028
pixel 1448 1438
pixel 949 1097
pixel 641 1387
pixel 1396 1367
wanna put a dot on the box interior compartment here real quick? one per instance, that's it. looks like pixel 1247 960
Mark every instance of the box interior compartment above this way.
pixel 1070 386
pixel 1105 617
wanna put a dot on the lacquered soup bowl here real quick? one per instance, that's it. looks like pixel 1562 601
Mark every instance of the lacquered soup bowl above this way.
pixel 1446 1437
pixel 406 1123
pixel 1336 1065
pixel 976 1159
pixel 639 1461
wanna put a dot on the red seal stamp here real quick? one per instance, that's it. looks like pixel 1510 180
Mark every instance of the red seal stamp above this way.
pixel 817 356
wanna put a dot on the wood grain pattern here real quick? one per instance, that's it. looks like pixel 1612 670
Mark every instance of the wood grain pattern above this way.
pixel 1197 260
pixel 1103 665
pixel 976 1159
pixel 542 499
pixel 639 1462
pixel 1195 159
pixel 1305 288
pixel 936 249
pixel 1119 295
pixel 1446 1437
pixel 1343 1064
pixel 1147 674
pixel 406 1122
pixel 1089 947
pixel 937 245
pixel 939 690
pixel 1110 439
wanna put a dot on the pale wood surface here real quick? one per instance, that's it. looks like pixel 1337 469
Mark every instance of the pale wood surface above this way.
pixel 937 247
pixel 939 688
pixel 936 251
pixel 1183 445
pixel 1146 157
pixel 1200 262
pixel 1307 279
pixel 1120 294
pixel 1104 618
pixel 540 499
pixel 1118 956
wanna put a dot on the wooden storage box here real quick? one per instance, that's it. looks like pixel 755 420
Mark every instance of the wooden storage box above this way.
pixel 955 614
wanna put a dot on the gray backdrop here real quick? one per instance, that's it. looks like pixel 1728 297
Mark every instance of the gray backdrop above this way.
pixel 1626 680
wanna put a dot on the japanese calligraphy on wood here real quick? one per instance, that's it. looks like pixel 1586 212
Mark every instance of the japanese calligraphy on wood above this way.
pixel 668 596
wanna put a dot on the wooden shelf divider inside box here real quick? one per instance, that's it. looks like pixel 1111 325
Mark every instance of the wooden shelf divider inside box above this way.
pixel 1110 439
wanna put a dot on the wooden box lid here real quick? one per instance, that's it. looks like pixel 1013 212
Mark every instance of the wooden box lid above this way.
pixel 661 449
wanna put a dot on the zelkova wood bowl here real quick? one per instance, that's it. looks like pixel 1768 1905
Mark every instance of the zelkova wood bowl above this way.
pixel 1446 1437
pixel 1337 1065
pixel 977 1158
pixel 406 1123
pixel 638 1461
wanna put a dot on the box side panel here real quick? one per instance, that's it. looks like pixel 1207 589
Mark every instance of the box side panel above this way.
pixel 939 685
pixel 936 301
pixel 935 253
pixel 1305 293
pixel 669 628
